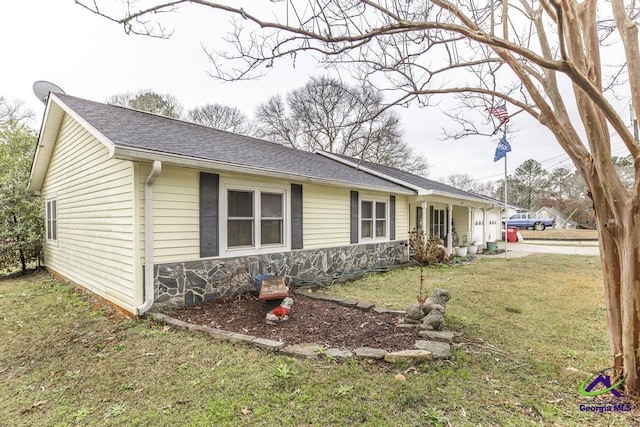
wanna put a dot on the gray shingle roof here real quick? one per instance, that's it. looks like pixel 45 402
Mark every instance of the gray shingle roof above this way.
pixel 413 179
pixel 140 130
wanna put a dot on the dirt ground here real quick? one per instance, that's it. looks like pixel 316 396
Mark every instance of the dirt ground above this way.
pixel 311 321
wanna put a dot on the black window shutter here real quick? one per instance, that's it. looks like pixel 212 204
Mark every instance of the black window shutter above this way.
pixel 209 207
pixel 354 217
pixel 296 216
pixel 392 217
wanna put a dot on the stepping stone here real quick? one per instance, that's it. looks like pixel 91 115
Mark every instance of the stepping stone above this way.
pixel 371 353
pixel 347 302
pixel 439 349
pixel 364 306
pixel 267 343
pixel 409 356
pixel 380 310
pixel 241 338
pixel 407 326
pixel 305 351
pixel 444 336
pixel 338 354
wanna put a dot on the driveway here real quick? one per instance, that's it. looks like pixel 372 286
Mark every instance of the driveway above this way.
pixel 564 247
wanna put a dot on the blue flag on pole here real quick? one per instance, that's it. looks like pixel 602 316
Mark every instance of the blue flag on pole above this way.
pixel 502 149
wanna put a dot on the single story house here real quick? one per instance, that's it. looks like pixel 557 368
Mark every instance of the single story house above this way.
pixel 148 211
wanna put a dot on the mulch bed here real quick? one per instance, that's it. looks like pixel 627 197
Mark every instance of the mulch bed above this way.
pixel 311 321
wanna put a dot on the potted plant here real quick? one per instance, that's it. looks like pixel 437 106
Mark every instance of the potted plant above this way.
pixel 461 251
pixel 472 249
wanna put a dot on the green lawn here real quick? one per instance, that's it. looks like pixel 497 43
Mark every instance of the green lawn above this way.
pixel 532 328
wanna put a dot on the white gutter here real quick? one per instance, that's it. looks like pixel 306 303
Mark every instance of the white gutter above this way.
pixel 148 237
pixel 136 154
pixel 420 190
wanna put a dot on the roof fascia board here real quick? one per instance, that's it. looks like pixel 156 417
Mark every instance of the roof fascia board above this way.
pixel 35 162
pixel 49 131
pixel 370 171
pixel 111 146
pixel 136 154
pixel 455 196
pixel 420 190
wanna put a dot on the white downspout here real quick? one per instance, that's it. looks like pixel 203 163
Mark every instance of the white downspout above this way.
pixel 148 237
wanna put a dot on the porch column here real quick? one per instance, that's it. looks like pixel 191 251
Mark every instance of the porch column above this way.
pixel 484 226
pixel 425 226
pixel 470 228
pixel 450 230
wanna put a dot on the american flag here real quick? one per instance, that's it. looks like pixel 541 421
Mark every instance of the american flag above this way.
pixel 500 112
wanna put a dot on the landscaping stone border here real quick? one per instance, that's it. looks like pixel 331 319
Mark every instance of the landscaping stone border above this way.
pixel 427 347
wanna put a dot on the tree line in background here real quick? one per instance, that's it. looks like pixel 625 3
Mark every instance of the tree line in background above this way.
pixel 21 222
pixel 533 187
pixel 325 114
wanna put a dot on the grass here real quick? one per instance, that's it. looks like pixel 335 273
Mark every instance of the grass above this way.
pixel 533 329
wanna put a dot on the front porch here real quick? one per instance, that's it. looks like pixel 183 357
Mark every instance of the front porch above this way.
pixel 455 222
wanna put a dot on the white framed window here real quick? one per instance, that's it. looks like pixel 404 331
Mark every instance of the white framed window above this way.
pixel 438 222
pixel 374 217
pixel 52 219
pixel 255 218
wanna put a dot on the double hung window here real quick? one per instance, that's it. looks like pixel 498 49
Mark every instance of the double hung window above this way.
pixel 373 219
pixel 255 218
pixel 52 219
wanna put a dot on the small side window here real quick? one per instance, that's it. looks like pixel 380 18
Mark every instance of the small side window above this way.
pixel 52 219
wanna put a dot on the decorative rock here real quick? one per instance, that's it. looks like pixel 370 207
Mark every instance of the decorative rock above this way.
pixel 438 297
pixel 219 334
pixel 407 325
pixel 371 353
pixel 434 321
pixel 338 354
pixel 307 350
pixel 365 306
pixel 414 312
pixel 266 343
pixel 440 350
pixel 409 356
pixel 380 310
pixel 444 336
pixel 241 338
pixel 347 302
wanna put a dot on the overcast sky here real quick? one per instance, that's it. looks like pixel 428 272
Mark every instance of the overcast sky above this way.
pixel 93 58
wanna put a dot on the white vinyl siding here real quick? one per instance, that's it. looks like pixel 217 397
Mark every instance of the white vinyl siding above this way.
pixel 94 201
pixel 176 204
pixel 326 213
pixel 402 218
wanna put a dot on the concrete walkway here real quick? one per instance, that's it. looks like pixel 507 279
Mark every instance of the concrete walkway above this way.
pixel 572 247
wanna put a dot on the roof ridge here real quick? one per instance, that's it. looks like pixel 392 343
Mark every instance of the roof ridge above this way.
pixel 181 120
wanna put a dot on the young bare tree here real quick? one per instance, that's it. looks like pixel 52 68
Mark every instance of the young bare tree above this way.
pixel 221 117
pixel 150 101
pixel 14 111
pixel 329 115
pixel 529 54
pixel 463 181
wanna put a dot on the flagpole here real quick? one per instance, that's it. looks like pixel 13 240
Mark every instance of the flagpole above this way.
pixel 506 212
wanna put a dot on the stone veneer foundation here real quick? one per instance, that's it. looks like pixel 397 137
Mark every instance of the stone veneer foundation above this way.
pixel 193 282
